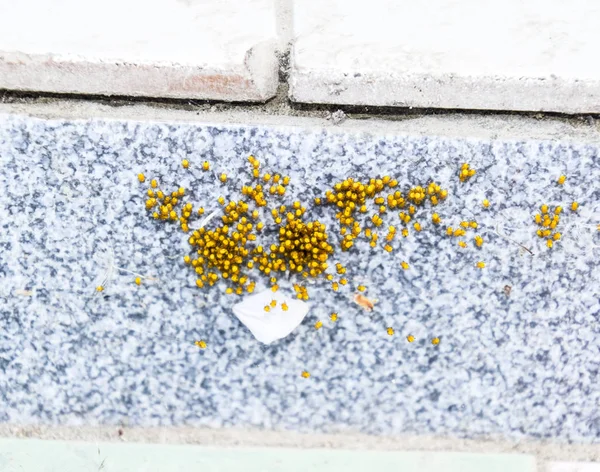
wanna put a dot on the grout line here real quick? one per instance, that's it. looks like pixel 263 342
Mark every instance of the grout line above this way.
pixel 281 105
pixel 456 126
pixel 284 24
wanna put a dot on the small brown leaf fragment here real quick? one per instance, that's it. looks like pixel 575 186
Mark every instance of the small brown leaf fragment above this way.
pixel 366 303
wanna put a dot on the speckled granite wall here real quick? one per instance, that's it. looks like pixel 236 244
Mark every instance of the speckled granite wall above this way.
pixel 522 364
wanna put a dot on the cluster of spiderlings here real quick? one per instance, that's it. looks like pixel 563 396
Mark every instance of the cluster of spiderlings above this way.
pixel 348 240
pixel 256 193
pixel 277 187
pixel 335 285
pixel 391 234
pixel 418 196
pixel 376 220
pixel 436 193
pixel 548 219
pixel 303 247
pixel 466 172
pixel 255 166
pixel 349 197
pixel 221 253
pixel 236 212
pixel 395 200
pixel 340 269
pixel 274 286
pixel 462 231
pixel 165 206
pixel 273 304
pixel 301 292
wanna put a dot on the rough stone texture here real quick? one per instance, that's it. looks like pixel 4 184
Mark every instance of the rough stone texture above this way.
pixel 218 50
pixel 512 55
pixel 519 366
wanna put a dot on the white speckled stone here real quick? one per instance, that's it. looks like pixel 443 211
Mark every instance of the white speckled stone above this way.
pixel 525 365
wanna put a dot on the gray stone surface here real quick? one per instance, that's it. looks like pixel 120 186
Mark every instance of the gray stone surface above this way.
pixel 524 365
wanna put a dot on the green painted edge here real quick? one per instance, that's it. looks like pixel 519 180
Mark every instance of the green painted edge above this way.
pixel 35 455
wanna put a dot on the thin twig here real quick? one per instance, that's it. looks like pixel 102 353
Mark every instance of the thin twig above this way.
pixel 513 241
pixel 203 223
pixel 147 277
pixel 206 220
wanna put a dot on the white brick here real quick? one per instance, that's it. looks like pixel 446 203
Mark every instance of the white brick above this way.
pixel 539 55
pixel 203 49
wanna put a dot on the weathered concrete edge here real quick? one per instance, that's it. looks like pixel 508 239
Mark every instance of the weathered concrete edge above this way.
pixel 485 127
pixel 254 80
pixel 444 91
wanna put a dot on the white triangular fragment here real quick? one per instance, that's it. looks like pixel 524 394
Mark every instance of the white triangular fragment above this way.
pixel 270 326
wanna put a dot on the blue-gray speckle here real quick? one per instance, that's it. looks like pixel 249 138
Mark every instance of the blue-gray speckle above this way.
pixel 525 364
